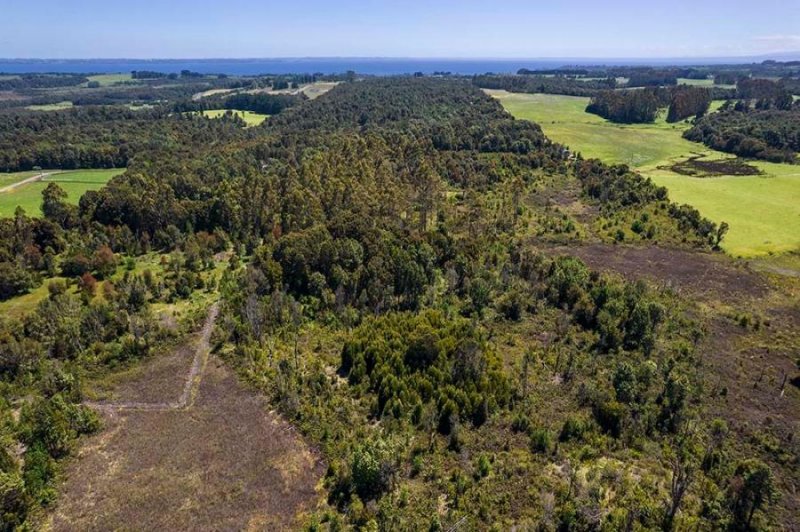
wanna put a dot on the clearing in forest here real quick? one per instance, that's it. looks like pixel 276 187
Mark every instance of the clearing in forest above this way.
pixel 763 210
pixel 215 459
pixel 22 189
pixel 250 118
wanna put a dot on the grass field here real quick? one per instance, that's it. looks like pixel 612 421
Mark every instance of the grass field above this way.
pixel 250 118
pixel 763 211
pixel 15 177
pixel 110 79
pixel 29 196
pixel 60 106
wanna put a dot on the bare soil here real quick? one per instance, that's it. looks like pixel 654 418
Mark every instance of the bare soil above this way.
pixel 698 273
pixel 222 463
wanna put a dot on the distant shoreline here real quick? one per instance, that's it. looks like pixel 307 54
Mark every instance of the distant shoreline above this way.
pixel 363 65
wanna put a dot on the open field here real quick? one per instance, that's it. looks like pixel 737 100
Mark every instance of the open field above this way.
pixel 7 179
pixel 60 106
pixel 29 196
pixel 763 210
pixel 223 462
pixel 250 118
pixel 110 79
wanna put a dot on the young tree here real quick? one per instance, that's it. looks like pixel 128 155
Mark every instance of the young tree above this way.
pixel 752 488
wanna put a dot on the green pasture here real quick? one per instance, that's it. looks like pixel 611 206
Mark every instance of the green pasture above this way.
pixel 29 196
pixel 110 79
pixel 250 118
pixel 763 211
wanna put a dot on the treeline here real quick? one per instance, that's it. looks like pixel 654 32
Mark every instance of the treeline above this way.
pixel 772 134
pixel 545 84
pixel 97 137
pixel 687 102
pixel 626 107
pixel 148 74
pixel 40 81
pixel 643 105
pixel 268 104
pixel 765 92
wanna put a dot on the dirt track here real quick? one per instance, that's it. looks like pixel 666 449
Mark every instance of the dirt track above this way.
pixel 221 461
pixel 31 179
pixel 193 379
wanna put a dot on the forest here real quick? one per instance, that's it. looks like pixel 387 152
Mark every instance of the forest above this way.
pixel 392 285
pixel 769 134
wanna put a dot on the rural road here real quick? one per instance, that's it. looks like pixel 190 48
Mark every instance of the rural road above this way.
pixel 31 179
pixel 193 379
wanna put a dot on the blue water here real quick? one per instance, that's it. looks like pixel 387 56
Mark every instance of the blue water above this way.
pixel 370 66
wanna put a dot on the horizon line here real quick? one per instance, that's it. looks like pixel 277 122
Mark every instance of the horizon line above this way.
pixel 410 57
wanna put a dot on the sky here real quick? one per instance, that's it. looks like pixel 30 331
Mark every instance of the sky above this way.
pixel 412 28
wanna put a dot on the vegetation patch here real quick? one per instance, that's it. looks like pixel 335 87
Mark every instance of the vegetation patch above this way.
pixel 60 106
pixel 696 166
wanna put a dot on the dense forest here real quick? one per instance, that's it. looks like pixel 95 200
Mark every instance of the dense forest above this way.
pixel 40 81
pixel 405 226
pixel 772 134
pixel 98 136
pixel 688 102
pixel 556 84
pixel 627 107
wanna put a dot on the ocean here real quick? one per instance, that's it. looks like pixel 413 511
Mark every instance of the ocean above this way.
pixel 335 65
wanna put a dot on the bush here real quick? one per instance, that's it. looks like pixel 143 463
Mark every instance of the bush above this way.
pixel 370 472
pixel 541 440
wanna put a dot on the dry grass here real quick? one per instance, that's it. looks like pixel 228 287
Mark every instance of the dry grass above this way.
pixel 224 464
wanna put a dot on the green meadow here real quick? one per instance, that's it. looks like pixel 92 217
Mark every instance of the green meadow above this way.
pixel 250 118
pixel 29 196
pixel 110 79
pixel 763 211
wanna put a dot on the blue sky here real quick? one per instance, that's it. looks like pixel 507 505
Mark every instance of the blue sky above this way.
pixel 393 28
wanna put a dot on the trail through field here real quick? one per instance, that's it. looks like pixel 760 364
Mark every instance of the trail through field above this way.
pixel 31 179
pixel 193 379
pixel 212 458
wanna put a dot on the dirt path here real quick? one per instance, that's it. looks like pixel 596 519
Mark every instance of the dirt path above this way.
pixel 31 179
pixel 215 458
pixel 193 379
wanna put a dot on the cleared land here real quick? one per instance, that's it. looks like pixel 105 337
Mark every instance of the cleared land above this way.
pixel 60 106
pixel 250 118
pixel 29 196
pixel 223 463
pixel 110 79
pixel 763 210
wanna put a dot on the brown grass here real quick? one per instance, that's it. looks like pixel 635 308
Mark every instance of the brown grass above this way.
pixel 224 464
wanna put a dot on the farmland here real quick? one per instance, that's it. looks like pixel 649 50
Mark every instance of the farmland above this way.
pixel 250 118
pixel 110 79
pixel 769 224
pixel 29 196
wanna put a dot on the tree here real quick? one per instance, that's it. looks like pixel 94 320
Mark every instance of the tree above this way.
pixel 682 461
pixel 104 261
pixel 13 280
pixel 54 205
pixel 722 230
pixel 752 488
